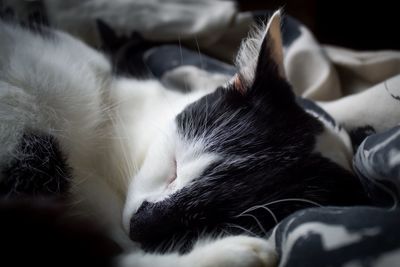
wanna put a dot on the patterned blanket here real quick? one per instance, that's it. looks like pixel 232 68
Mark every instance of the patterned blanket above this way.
pixel 324 236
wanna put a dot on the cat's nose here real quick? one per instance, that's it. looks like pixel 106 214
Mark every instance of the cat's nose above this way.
pixel 152 224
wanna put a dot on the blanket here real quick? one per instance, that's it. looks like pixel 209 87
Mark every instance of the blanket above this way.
pixel 191 44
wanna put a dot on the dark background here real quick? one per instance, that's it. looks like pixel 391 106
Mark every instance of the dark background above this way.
pixel 361 25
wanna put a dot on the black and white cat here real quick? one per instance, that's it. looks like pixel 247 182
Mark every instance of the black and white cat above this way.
pixel 162 167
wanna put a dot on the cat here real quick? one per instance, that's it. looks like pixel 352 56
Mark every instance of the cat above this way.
pixel 248 143
pixel 165 169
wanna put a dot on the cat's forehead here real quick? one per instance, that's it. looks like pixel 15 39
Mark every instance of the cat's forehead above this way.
pixel 232 124
pixel 230 120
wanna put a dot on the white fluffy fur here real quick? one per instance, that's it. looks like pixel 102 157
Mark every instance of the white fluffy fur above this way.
pixel 105 126
pixel 235 251
pixel 247 57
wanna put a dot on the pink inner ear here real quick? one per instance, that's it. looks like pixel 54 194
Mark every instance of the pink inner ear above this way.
pixel 238 84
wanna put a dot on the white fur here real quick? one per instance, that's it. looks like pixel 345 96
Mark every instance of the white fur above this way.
pixel 153 183
pixel 104 126
pixel 247 57
pixel 237 251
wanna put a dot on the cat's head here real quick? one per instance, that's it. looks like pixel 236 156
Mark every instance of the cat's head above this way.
pixel 240 159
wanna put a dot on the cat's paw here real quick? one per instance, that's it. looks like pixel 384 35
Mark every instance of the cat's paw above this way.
pixel 235 251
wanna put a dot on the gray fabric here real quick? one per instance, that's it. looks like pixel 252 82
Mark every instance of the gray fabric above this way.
pixel 357 236
pixel 164 20
pixel 377 162
pixel 166 57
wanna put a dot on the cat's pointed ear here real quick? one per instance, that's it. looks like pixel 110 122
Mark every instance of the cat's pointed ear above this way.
pixel 109 41
pixel 271 47
pixel 261 55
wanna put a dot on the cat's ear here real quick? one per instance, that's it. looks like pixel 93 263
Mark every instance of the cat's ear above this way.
pixel 271 51
pixel 109 41
pixel 261 55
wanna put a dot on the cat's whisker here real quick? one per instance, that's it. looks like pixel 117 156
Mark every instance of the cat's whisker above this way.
pixel 268 210
pixel 204 134
pixel 243 229
pixel 200 56
pixel 180 50
pixel 294 200
pixel 281 200
pixel 256 220
pixel 128 162
pixel 111 107
pixel 264 206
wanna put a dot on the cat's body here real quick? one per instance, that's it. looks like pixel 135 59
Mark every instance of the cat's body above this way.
pixel 158 165
pixel 104 125
pixel 54 85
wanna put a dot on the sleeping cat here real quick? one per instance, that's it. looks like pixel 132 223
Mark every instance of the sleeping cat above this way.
pixel 162 168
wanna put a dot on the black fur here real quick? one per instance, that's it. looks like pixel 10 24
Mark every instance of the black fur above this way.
pixel 6 12
pixel 358 135
pixel 126 53
pixel 134 56
pixel 34 18
pixel 39 168
pixel 38 232
pixel 266 141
